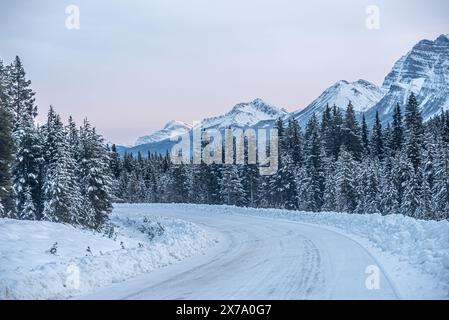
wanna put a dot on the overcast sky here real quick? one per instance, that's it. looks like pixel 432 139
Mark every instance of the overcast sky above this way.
pixel 135 65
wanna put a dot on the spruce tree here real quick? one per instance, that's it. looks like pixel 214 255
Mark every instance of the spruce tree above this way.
pixel 6 158
pixel 313 182
pixel 96 180
pixel 231 186
pixel 414 132
pixel 21 95
pixel 365 137
pixel 61 191
pixel 377 145
pixel 346 182
pixel 397 130
pixel 351 134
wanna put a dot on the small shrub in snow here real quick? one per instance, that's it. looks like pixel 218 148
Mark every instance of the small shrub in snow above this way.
pixel 54 248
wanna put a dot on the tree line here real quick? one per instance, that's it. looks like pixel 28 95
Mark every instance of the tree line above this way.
pixel 65 173
pixel 334 164
pixel 55 171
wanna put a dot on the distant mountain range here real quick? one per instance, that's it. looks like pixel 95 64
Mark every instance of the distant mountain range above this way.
pixel 424 70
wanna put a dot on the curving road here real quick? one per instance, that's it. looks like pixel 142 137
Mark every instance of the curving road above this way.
pixel 260 258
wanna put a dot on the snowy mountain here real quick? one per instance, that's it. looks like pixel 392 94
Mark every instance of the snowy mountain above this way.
pixel 172 129
pixel 247 114
pixel 361 93
pixel 424 70
pixel 256 113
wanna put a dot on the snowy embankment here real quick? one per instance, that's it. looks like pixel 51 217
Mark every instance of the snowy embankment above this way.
pixel 84 260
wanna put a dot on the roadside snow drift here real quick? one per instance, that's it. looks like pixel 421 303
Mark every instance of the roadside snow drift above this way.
pixel 82 260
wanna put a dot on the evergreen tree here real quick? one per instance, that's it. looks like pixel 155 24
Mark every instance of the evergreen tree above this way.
pixel 414 132
pixel 96 180
pixel 6 158
pixel 397 131
pixel 330 188
pixel 61 191
pixel 365 137
pixel 346 182
pixel 231 186
pixel 351 134
pixel 313 181
pixel 411 198
pixel 377 145
pixel 389 197
pixel 21 95
pixel 440 190
pixel 178 184
pixel 336 131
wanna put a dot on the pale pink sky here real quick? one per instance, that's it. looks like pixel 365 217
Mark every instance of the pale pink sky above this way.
pixel 135 65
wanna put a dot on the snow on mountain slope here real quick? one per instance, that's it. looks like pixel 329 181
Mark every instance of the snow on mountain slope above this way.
pixel 250 114
pixel 29 271
pixel 362 94
pixel 172 129
pixel 245 115
pixel 424 70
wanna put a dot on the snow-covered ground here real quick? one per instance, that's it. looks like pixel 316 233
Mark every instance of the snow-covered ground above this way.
pixel 224 252
pixel 28 270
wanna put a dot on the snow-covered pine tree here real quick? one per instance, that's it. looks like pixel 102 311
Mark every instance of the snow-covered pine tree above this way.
pixel 6 157
pixel 368 187
pixel 313 182
pixel 231 185
pixel 27 209
pixel 330 187
pixel 347 189
pixel 61 191
pixel 96 180
pixel 26 167
pixel 179 188
pixel 397 131
pixel 377 144
pixel 413 132
pixel 326 131
pixel 351 134
pixel 28 160
pixel 411 196
pixel 440 190
pixel 21 95
pixel 337 131
pixel 389 203
pixel 365 137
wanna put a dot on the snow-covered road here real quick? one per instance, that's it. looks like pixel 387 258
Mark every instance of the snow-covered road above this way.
pixel 260 258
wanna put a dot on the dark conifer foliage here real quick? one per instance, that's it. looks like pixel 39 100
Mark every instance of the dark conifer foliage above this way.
pixel 52 172
pixel 65 173
pixel 332 165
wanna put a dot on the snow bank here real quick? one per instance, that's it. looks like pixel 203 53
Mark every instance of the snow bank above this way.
pixel 423 245
pixel 29 271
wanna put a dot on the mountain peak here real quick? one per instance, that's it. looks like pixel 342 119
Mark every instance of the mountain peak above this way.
pixel 423 71
pixel 442 39
pixel 245 114
pixel 172 129
pixel 176 124
pixel 362 94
